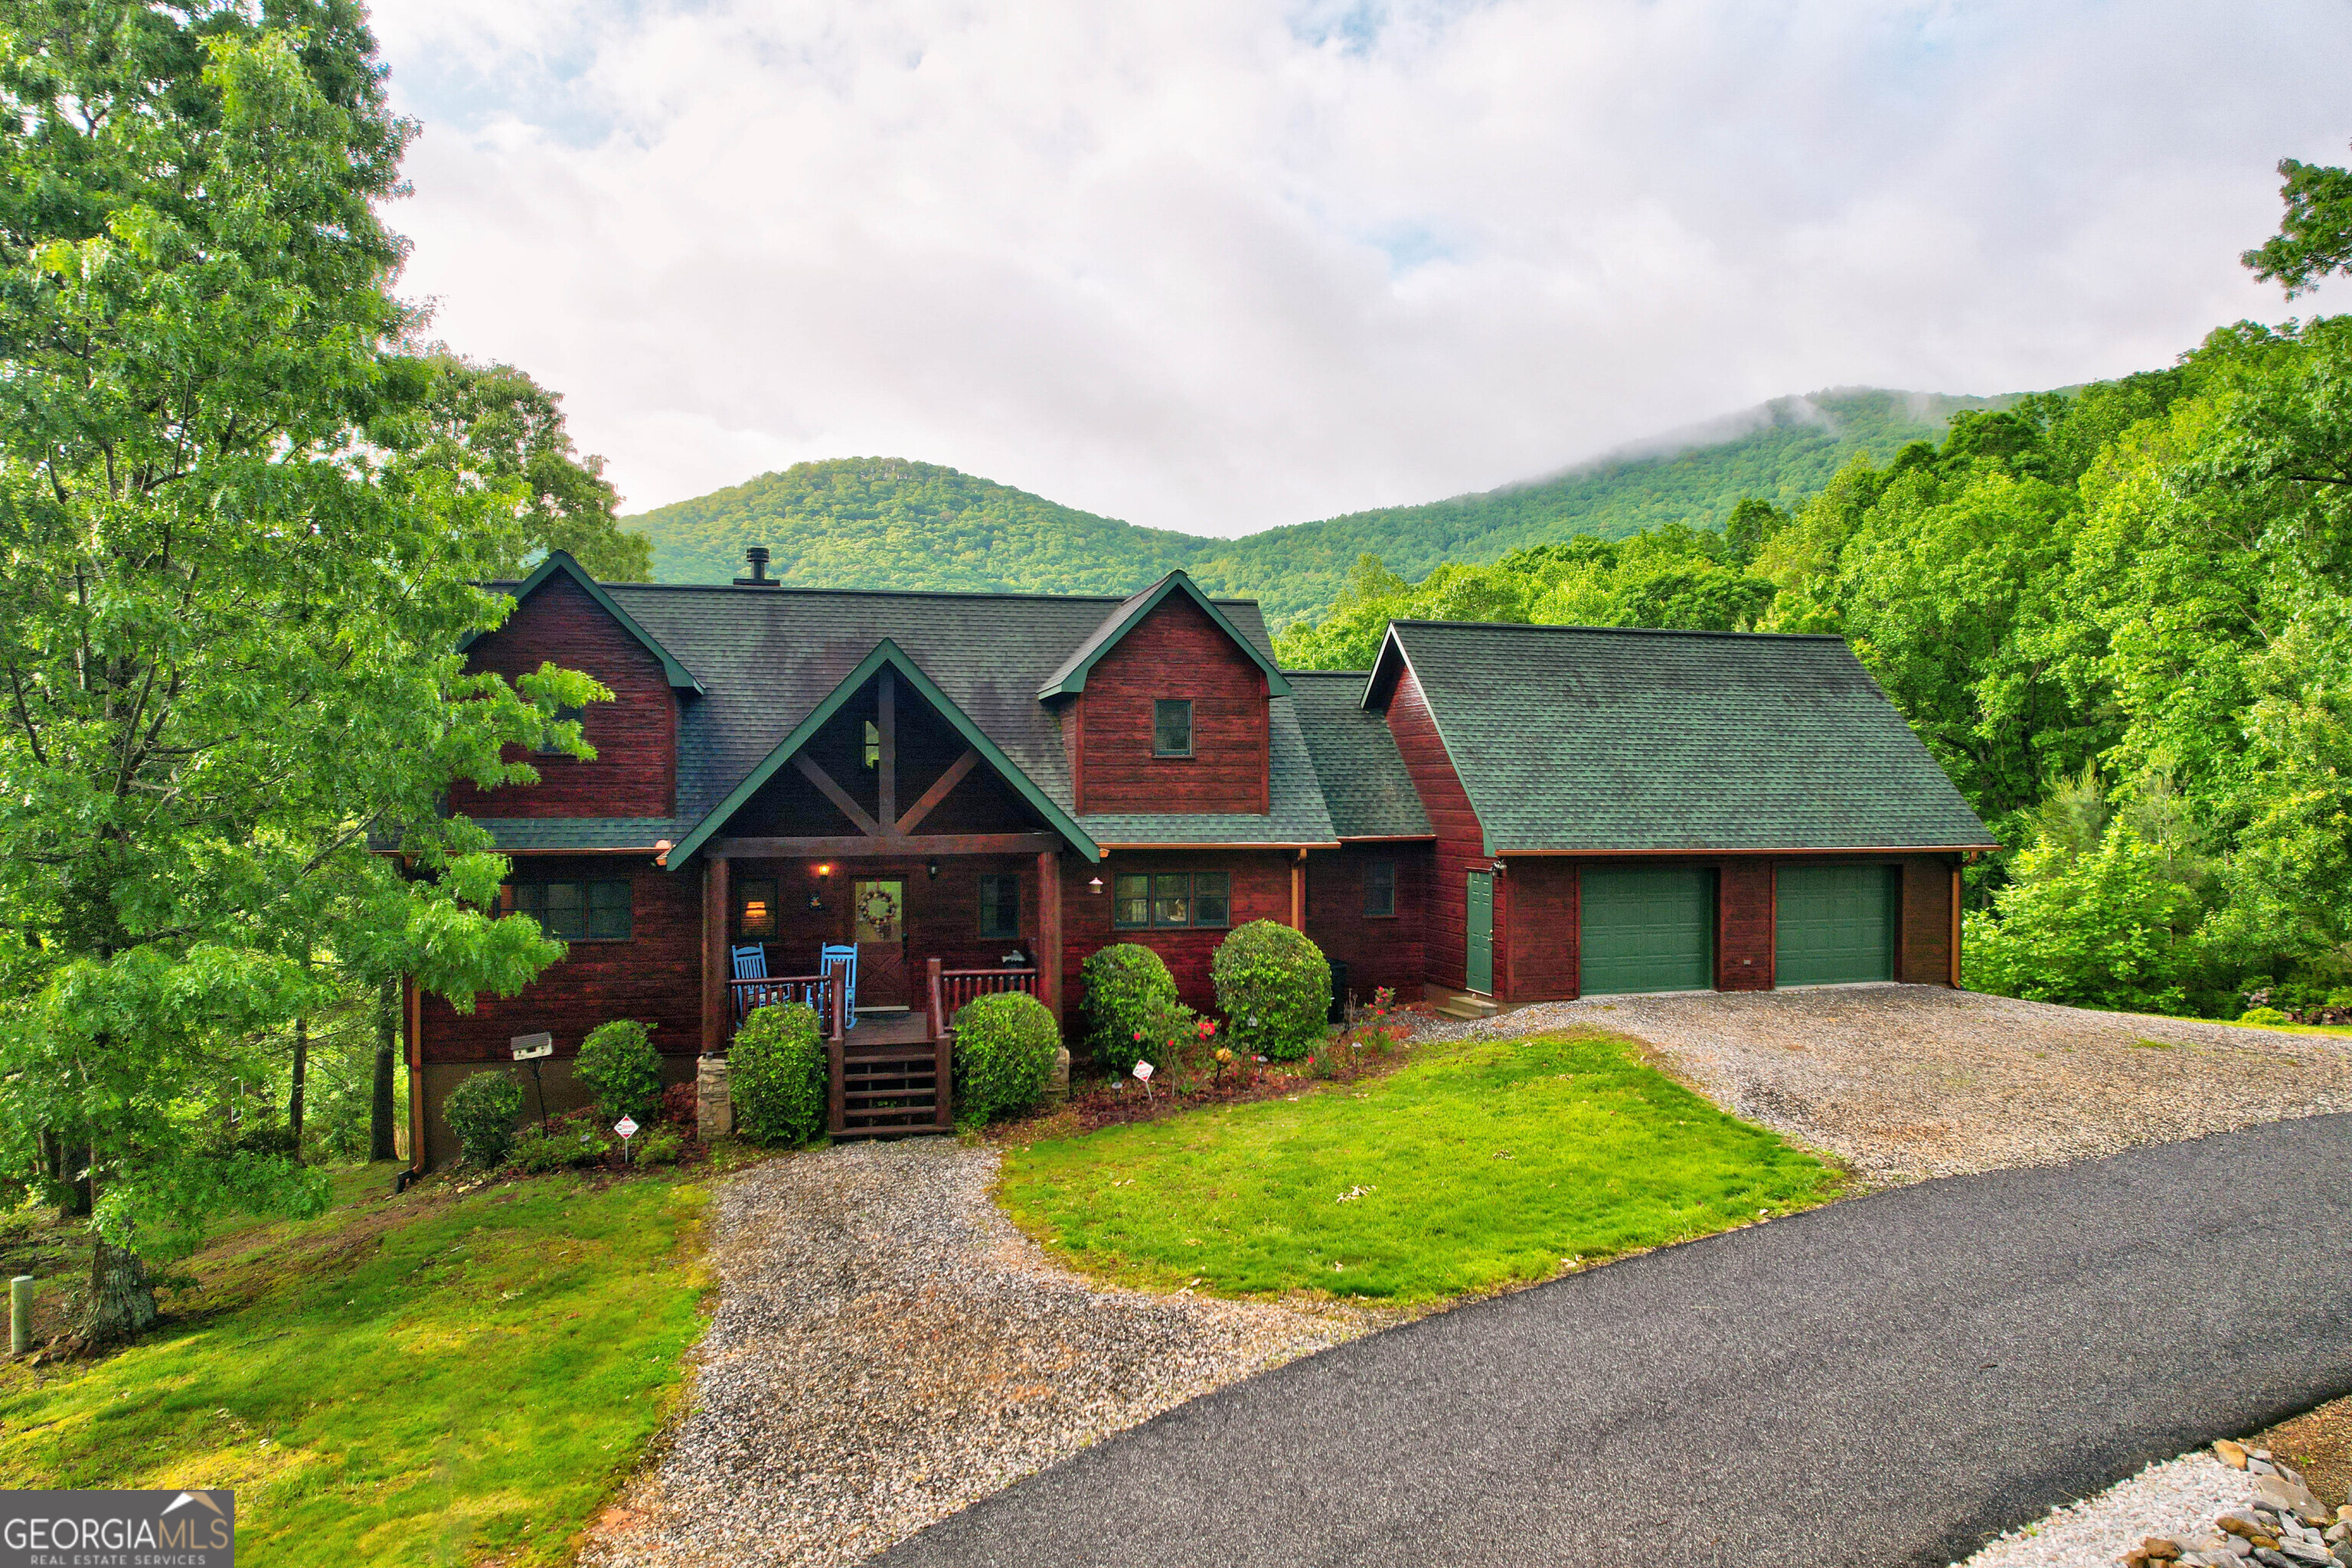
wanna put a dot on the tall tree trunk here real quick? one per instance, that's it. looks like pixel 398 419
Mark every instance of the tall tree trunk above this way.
pixel 380 1109
pixel 120 1305
pixel 301 1077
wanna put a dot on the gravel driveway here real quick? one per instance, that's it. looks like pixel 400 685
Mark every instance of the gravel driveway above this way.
pixel 888 1348
pixel 1905 1082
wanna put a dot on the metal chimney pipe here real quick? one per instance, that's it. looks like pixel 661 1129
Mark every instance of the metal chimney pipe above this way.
pixel 757 555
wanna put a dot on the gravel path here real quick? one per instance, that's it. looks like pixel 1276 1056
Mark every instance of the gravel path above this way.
pixel 1890 1381
pixel 2179 1499
pixel 888 1348
pixel 1905 1082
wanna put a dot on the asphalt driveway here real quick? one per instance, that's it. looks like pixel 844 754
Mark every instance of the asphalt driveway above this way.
pixel 1886 1381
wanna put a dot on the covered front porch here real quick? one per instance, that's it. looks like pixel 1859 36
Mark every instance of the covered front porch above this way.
pixel 885 865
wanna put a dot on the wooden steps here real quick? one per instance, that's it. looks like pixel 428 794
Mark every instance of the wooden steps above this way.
pixel 1466 1005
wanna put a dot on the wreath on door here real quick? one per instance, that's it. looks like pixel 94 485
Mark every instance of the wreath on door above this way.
pixel 877 912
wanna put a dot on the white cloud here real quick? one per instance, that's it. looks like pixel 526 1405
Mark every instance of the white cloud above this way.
pixel 1222 265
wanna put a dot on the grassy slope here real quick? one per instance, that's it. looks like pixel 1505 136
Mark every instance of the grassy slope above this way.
pixel 1480 1164
pixel 889 522
pixel 422 1380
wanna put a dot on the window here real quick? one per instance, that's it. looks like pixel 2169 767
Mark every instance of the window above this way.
pixel 1171 727
pixel 571 912
pixel 1172 899
pixel 999 906
pixel 755 906
pixel 1380 889
pixel 547 746
pixel 873 744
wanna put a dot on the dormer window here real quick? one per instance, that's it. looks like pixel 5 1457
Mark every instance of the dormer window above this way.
pixel 548 745
pixel 1171 727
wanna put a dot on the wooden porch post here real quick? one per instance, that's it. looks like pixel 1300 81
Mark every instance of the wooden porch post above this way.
pixel 1298 892
pixel 716 972
pixel 1049 934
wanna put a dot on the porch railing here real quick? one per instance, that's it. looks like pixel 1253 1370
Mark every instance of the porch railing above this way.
pixel 813 992
pixel 958 986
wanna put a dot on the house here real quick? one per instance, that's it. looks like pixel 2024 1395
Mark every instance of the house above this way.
pixel 975 791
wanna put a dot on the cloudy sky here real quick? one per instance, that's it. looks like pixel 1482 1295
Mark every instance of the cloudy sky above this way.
pixel 1222 264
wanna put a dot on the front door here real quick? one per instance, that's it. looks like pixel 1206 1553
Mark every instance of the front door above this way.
pixel 880 909
pixel 1480 967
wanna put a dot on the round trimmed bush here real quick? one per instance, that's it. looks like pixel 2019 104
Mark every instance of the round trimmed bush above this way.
pixel 1004 1048
pixel 2263 1016
pixel 1126 985
pixel 776 1071
pixel 619 1065
pixel 1273 986
pixel 481 1111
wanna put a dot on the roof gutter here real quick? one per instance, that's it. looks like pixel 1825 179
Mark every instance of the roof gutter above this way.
pixel 1702 850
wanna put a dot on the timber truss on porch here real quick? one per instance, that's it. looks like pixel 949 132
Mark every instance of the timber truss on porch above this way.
pixel 891 1067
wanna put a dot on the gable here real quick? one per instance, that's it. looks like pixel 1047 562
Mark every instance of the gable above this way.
pixel 635 771
pixel 846 698
pixel 1070 678
pixel 1174 652
pixel 1571 738
pixel 560 568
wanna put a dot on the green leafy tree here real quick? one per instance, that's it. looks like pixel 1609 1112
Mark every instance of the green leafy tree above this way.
pixel 235 573
pixel 501 429
pixel 2314 238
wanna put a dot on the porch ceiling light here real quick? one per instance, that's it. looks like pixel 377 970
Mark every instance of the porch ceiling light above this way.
pixel 1094 885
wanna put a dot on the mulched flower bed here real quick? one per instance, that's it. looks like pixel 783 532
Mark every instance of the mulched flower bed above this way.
pixel 1113 1102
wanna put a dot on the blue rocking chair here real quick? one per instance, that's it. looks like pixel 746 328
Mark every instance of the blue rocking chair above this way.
pixel 841 962
pixel 751 963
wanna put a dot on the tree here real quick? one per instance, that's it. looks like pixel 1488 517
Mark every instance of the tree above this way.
pixel 233 568
pixel 496 423
pixel 2314 238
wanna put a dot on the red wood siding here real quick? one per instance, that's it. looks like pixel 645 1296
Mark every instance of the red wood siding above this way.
pixel 1177 651
pixel 1743 925
pixel 1540 932
pixel 636 734
pixel 1377 951
pixel 1261 892
pixel 1925 936
pixel 1461 841
pixel 654 977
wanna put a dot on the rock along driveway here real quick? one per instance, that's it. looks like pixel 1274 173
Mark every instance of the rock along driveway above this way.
pixel 1887 1380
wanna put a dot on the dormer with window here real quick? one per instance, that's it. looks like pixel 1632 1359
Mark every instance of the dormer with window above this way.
pixel 1164 709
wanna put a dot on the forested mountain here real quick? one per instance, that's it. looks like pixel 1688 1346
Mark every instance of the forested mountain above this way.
pixel 889 523
pixel 2120 618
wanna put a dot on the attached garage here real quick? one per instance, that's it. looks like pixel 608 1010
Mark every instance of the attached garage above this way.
pixel 1834 924
pixel 1647 929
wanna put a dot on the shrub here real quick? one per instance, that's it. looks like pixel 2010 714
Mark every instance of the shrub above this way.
pixel 1123 982
pixel 682 1103
pixel 777 1072
pixel 2107 928
pixel 2262 1016
pixel 618 1062
pixel 1004 1048
pixel 657 1146
pixel 540 1151
pixel 1173 1042
pixel 1273 987
pixel 481 1112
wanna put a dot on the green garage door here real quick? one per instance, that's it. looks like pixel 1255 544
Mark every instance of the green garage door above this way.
pixel 1647 931
pixel 1836 924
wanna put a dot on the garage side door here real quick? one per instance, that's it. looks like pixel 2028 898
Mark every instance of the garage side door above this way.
pixel 1836 924
pixel 1647 931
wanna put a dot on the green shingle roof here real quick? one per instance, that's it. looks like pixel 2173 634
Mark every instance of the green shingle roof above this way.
pixel 1363 774
pixel 1580 738
pixel 1069 678
pixel 767 658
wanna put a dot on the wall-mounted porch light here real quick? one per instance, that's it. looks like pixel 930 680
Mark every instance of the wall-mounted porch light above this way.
pixel 1095 885
pixel 931 869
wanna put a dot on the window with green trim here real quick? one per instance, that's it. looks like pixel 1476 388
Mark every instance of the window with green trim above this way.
pixel 1171 727
pixel 571 912
pixel 1167 900
pixel 999 906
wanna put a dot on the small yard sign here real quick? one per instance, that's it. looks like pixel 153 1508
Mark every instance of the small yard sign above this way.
pixel 1143 1072
pixel 528 1046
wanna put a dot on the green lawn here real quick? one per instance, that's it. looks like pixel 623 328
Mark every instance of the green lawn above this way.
pixel 1480 1164
pixel 428 1379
